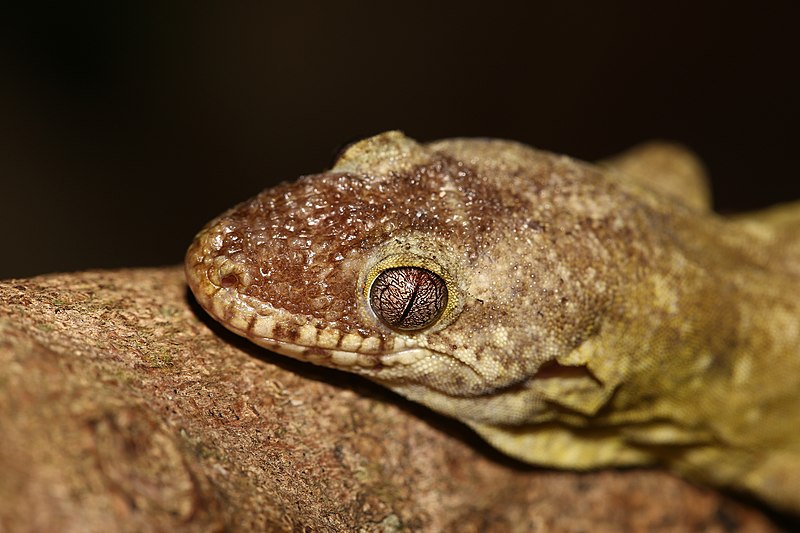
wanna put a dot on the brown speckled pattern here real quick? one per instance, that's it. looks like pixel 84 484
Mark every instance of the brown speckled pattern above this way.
pixel 302 237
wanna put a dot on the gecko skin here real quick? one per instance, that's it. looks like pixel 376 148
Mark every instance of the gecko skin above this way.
pixel 576 316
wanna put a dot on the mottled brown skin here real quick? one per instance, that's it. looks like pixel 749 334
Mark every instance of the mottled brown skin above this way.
pixel 596 315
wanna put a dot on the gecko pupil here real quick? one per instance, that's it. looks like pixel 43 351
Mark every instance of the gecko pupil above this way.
pixel 228 281
pixel 408 298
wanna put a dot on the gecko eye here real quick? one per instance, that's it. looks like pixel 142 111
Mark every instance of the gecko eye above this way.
pixel 408 298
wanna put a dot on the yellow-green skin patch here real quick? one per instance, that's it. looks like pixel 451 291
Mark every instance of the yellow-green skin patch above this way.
pixel 596 315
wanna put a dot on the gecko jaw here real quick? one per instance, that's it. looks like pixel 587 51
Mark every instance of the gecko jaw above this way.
pixel 298 336
pixel 386 358
pixel 339 358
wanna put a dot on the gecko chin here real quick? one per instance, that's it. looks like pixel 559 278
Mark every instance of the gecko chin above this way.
pixel 217 285
pixel 389 359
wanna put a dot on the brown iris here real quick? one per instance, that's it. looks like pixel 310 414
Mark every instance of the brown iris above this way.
pixel 408 298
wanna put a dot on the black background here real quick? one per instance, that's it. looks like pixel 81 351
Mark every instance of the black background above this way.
pixel 124 128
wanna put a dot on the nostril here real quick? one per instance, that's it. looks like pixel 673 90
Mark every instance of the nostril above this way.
pixel 228 281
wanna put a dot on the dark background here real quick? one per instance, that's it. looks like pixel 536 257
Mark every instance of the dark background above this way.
pixel 124 128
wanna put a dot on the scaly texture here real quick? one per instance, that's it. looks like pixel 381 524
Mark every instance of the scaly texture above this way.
pixel 593 315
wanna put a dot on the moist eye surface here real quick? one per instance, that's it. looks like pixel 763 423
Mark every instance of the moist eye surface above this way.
pixel 408 298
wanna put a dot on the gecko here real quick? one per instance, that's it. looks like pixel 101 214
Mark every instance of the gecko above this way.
pixel 575 315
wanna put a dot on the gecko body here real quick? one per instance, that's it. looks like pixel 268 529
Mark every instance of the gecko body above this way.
pixel 576 316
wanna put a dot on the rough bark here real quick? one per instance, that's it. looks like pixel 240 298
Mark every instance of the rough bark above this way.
pixel 123 408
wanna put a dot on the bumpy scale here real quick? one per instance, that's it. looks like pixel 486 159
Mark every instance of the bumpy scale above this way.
pixel 575 316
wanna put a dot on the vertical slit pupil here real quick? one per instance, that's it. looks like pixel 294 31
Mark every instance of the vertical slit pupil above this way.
pixel 408 298
pixel 228 281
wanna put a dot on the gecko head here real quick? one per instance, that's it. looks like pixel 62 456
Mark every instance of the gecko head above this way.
pixel 392 265
pixel 353 268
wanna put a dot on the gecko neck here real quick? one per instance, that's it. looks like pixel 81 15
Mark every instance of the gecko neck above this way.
pixel 713 362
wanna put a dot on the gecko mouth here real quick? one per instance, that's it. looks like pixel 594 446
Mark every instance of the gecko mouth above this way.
pixel 217 282
pixel 292 335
